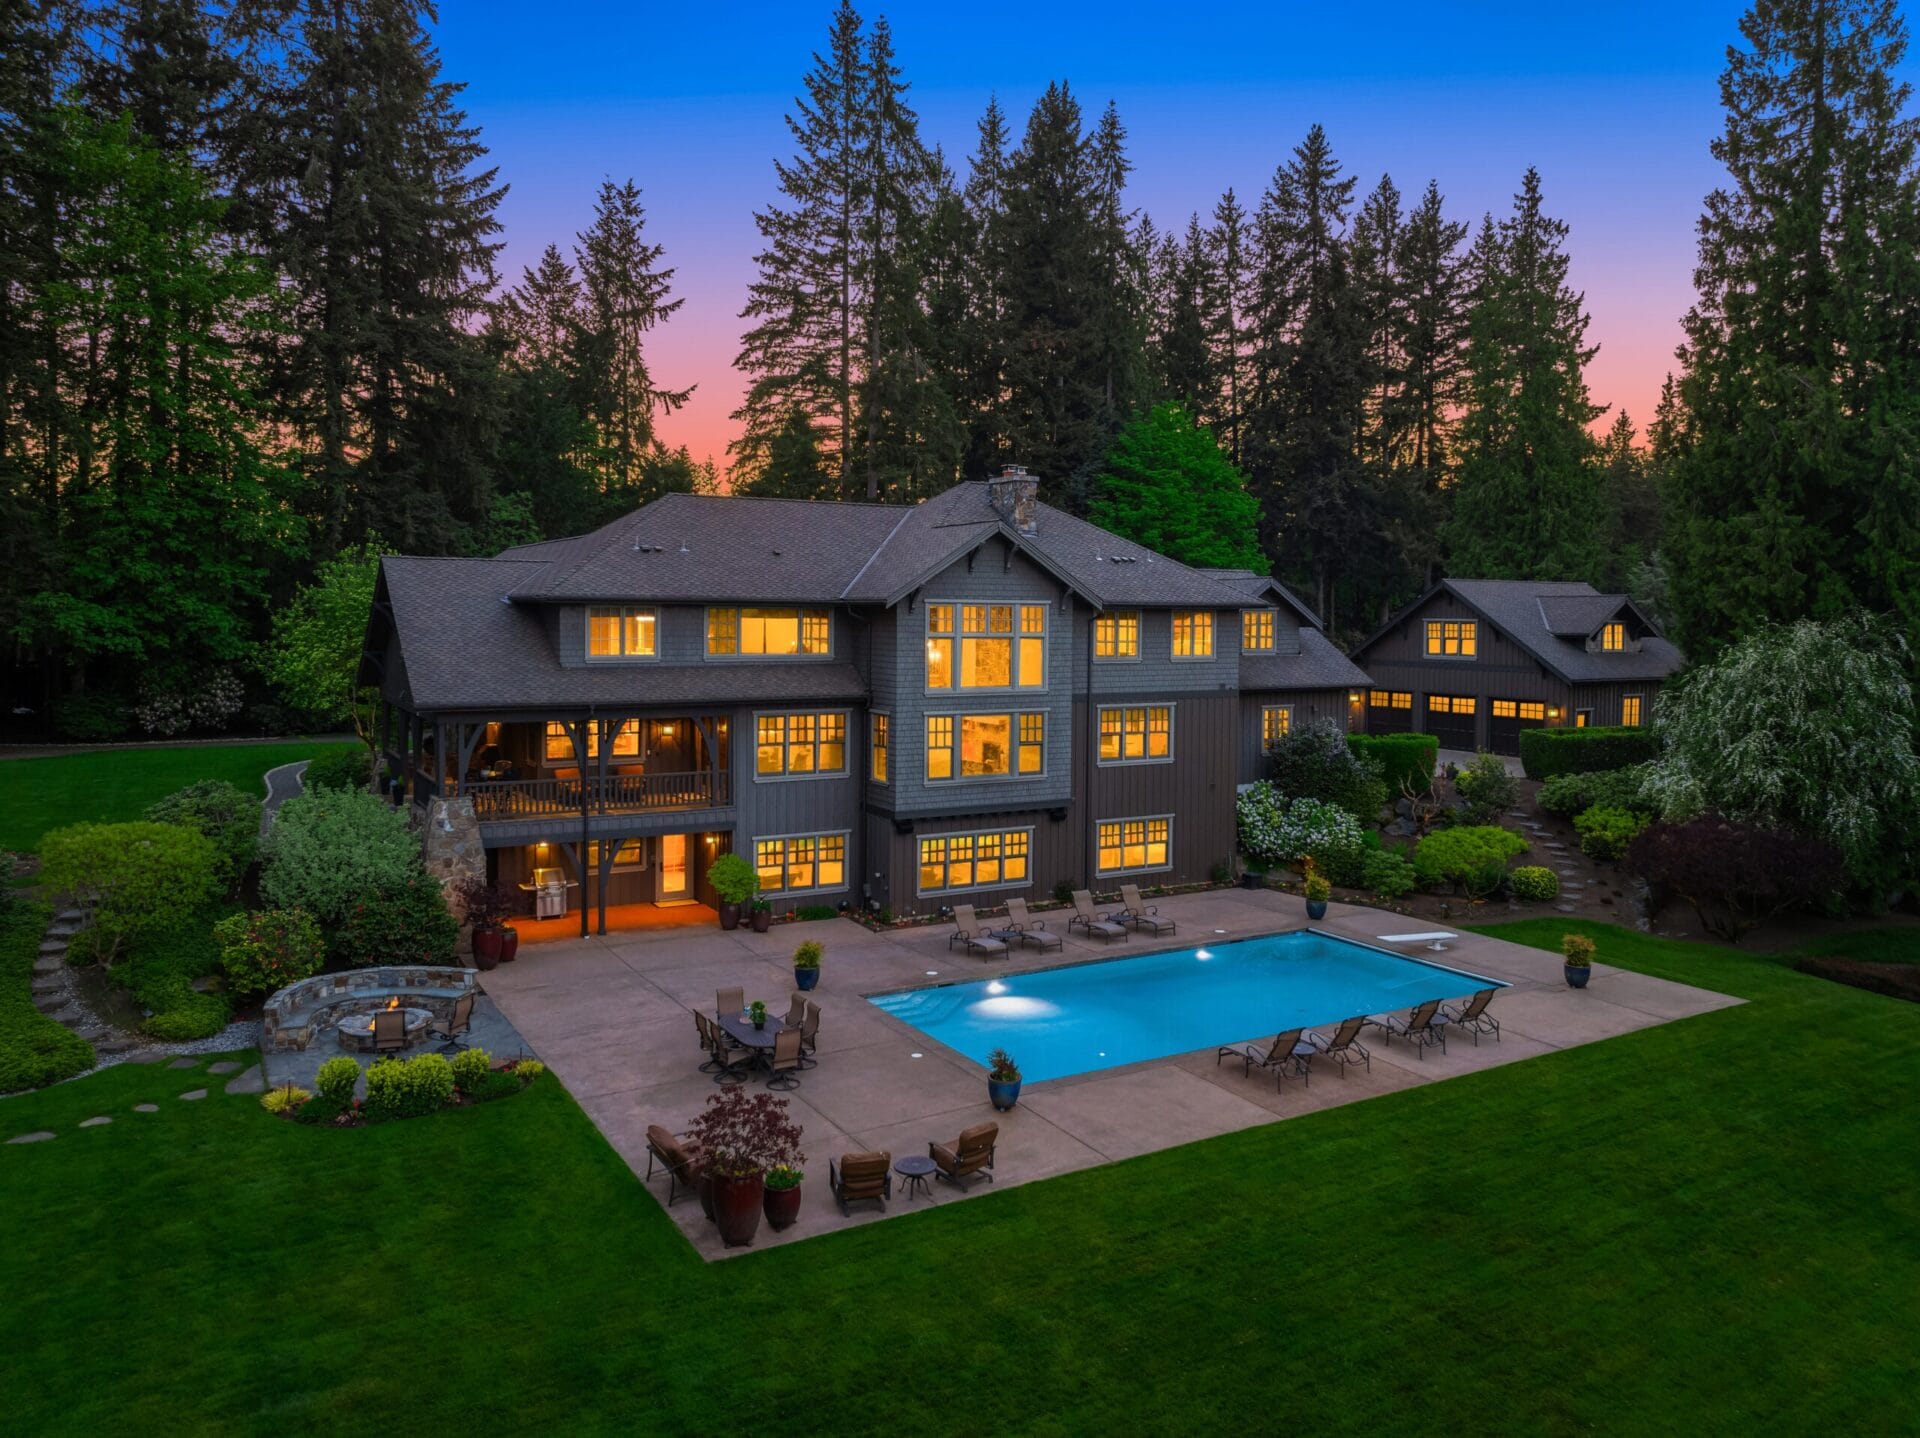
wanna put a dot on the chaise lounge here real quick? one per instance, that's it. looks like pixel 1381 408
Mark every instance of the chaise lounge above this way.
pixel 1473 1016
pixel 1028 930
pixel 1423 1027
pixel 1344 1048
pixel 1137 914
pixel 1085 916
pixel 1287 1050
pixel 976 938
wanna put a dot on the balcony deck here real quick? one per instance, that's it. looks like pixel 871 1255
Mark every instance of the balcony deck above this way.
pixel 504 800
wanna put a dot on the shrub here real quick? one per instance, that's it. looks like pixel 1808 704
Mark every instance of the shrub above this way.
pixel 136 877
pixel 405 922
pixel 337 1079
pixel 88 718
pixel 733 879
pixel 320 1110
pixel 1577 950
pixel 1605 832
pixel 347 766
pixel 745 1135
pixel 484 904
pixel 328 850
pixel 1404 759
pixel 808 955
pixel 527 1070
pixel 1315 761
pixel 491 1085
pixel 1388 875
pixel 816 911
pixel 159 970
pixel 1566 795
pixel 1547 752
pixel 1487 787
pixel 34 1050
pixel 1534 884
pixel 1471 857
pixel 1570 795
pixel 1277 832
pixel 228 816
pixel 407 1088
pixel 268 949
pixel 189 1015
pixel 1734 875
pixel 284 1099
pixel 469 1067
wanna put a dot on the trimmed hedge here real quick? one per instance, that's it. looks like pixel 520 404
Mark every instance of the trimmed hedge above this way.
pixel 34 1050
pixel 1403 758
pixel 1547 752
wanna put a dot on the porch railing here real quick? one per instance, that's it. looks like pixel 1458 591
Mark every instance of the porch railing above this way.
pixel 500 799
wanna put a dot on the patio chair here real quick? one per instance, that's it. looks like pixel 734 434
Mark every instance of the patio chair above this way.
pixel 732 1064
pixel 970 1158
pixel 784 1067
pixel 459 1022
pixel 728 1001
pixel 1029 930
pixel 1288 1050
pixel 389 1031
pixel 709 1037
pixel 1473 1016
pixel 810 1036
pixel 1344 1048
pixel 1086 917
pixel 1422 1027
pixel 860 1178
pixel 681 1158
pixel 796 1011
pixel 975 938
pixel 1140 915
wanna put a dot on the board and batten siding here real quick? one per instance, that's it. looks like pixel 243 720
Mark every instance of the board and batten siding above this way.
pixel 1501 670
pixel 1197 788
pixel 1308 705
pixel 769 807
pixel 1056 853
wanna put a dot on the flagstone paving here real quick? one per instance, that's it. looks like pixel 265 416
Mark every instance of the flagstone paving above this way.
pixel 191 1094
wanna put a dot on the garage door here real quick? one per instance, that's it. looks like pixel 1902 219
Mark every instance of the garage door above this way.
pixel 1450 719
pixel 1389 711
pixel 1506 718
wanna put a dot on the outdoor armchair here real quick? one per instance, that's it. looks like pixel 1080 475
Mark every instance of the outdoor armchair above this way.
pixel 970 1157
pixel 860 1178
pixel 681 1158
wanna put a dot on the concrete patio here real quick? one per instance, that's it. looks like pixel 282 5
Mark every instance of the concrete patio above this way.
pixel 612 1018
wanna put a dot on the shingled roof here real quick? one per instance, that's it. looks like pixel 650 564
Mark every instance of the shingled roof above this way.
pixel 1318 665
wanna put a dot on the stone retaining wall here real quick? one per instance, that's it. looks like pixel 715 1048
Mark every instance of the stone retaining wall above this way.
pixel 293 1017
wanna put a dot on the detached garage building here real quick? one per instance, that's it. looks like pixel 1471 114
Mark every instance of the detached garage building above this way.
pixel 1475 661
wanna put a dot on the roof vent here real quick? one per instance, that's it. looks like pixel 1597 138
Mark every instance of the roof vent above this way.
pixel 1015 495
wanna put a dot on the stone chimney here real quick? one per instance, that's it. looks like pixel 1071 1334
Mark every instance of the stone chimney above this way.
pixel 1016 496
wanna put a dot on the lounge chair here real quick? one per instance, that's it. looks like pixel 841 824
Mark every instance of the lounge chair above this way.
pixel 1423 1026
pixel 1141 915
pixel 1085 916
pixel 1029 930
pixel 970 1158
pixel 459 1022
pixel 389 1031
pixel 784 1067
pixel 1473 1016
pixel 861 1177
pixel 810 1036
pixel 728 1001
pixel 1344 1048
pixel 1288 1050
pixel 681 1159
pixel 976 938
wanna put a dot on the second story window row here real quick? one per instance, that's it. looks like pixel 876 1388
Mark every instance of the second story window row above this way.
pixel 1193 634
pixel 985 746
pixel 1256 630
pixel 772 633
pixel 1117 635
pixel 796 744
pixel 1142 735
pixel 986 646
pixel 1452 638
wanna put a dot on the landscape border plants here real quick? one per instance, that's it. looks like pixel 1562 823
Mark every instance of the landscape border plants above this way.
pixel 1472 858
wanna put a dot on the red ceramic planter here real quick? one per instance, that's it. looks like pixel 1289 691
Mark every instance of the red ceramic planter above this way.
pixel 736 1207
pixel 783 1206
pixel 509 944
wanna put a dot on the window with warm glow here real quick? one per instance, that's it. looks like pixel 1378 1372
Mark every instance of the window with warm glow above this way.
pixel 1451 704
pixel 622 633
pixel 877 745
pixel 982 746
pixel 627 854
pixel 986 646
pixel 559 745
pixel 1630 710
pixel 800 744
pixel 1613 636
pixel 974 861
pixel 770 633
pixel 1390 698
pixel 1536 712
pixel 1117 635
pixel 1130 735
pixel 1505 709
pixel 1452 638
pixel 1276 722
pixel 1126 844
pixel 801 863
pixel 1193 634
pixel 1256 629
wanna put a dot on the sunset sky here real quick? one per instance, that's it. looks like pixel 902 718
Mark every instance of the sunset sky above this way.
pixel 1615 103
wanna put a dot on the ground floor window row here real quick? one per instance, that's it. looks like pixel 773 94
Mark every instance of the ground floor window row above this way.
pixel 1129 845
pixel 801 863
pixel 949 862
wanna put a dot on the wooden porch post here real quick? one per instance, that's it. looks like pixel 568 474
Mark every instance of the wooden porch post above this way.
pixel 577 730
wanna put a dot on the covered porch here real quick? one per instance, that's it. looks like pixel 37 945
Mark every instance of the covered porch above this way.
pixel 610 880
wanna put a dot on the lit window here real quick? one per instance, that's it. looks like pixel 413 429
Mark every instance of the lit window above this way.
pixel 1127 844
pixel 1256 629
pixel 985 745
pixel 1613 636
pixel 1276 722
pixel 877 745
pixel 1133 735
pixel 626 855
pixel 1630 710
pixel 800 744
pixel 626 741
pixel 801 863
pixel 970 861
pixel 1033 743
pixel 772 633
pixel 1452 638
pixel 1451 703
pixel 621 633
pixel 1117 635
pixel 1390 698
pixel 986 648
pixel 1505 709
pixel 1193 634
pixel 1533 711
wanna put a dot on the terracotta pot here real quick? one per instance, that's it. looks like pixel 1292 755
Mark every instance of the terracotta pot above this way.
pixel 487 944
pixel 736 1207
pixel 782 1206
pixel 729 916
pixel 762 920
pixel 509 943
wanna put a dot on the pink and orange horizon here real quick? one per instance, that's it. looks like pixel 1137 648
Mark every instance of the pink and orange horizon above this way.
pixel 1617 110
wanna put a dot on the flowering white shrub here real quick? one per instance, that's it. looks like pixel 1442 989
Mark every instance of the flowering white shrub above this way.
pixel 1278 831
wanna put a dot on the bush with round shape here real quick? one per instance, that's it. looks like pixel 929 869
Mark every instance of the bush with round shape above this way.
pixel 491 1085
pixel 285 1099
pixel 469 1067
pixel 1487 787
pixel 328 850
pixel 1605 832
pixel 226 814
pixel 1577 950
pixel 1534 884
pixel 407 921
pixel 1277 831
pixel 1405 760
pixel 1314 761
pixel 1735 875
pixel 345 766
pixel 268 949
pixel 337 1079
pixel 808 955
pixel 1471 858
pixel 135 878
pixel 733 879
pixel 527 1070
pixel 407 1088
pixel 1570 795
pixel 1389 876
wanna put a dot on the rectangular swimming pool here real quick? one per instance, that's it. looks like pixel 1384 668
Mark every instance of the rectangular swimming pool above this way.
pixel 1057 1022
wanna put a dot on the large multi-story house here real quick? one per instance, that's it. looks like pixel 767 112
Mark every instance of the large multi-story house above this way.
pixel 881 707
pixel 1475 661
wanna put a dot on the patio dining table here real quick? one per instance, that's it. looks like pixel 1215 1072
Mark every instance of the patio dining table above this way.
pixel 739 1028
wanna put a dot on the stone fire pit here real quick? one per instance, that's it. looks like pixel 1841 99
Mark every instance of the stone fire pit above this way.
pixel 356 1030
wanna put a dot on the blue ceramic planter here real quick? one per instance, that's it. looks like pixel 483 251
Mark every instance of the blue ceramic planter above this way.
pixel 1004 1095
pixel 1316 908
pixel 806 978
pixel 1577 977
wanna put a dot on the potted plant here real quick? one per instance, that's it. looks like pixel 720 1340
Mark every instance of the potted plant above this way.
pixel 486 907
pixel 1318 891
pixel 757 1011
pixel 1003 1080
pixel 735 882
pixel 762 916
pixel 1577 951
pixel 806 964
pixel 744 1136
pixel 782 1201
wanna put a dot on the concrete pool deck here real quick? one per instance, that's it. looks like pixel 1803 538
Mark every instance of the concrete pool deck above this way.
pixel 612 1017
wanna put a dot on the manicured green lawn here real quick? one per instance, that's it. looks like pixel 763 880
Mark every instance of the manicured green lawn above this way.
pixel 114 785
pixel 1707 1226
pixel 1874 946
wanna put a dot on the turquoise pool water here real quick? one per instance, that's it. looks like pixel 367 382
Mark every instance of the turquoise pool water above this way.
pixel 1074 1020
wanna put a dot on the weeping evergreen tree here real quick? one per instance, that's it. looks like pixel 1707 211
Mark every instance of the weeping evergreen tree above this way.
pixel 1797 491
pixel 1527 501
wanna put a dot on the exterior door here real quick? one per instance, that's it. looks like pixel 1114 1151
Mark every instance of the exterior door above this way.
pixel 1389 711
pixel 673 866
pixel 1503 726
pixel 1451 720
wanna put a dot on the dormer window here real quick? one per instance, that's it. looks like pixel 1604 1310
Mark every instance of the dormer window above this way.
pixel 622 633
pixel 769 632
pixel 1256 630
pixel 1613 637
pixel 1452 638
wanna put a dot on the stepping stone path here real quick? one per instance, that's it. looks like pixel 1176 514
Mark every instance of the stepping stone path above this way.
pixel 225 1066
pixel 53 995
pixel 252 1081
pixel 99 1122
pixel 146 1108
pixel 184 1064
pixel 41 1137
pixel 191 1094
